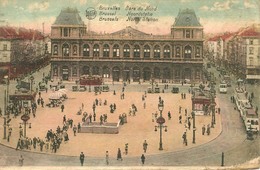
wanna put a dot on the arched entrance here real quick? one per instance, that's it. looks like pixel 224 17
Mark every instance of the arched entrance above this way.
pixel 136 74
pixel 95 70
pixel 166 73
pixel 65 73
pixel 116 73
pixel 126 74
pixel 85 70
pixel 147 73
pixel 156 73
pixel 105 72
pixel 187 73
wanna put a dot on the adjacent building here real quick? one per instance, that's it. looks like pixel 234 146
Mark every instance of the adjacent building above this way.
pixel 21 50
pixel 128 54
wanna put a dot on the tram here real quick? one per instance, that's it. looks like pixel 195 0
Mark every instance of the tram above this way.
pixel 250 118
pixel 90 80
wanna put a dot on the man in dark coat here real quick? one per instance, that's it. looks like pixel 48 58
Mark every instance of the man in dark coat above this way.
pixel 81 158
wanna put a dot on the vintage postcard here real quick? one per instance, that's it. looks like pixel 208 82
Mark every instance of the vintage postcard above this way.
pixel 152 84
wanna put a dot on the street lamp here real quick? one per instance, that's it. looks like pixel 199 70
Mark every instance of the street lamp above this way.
pixel 31 79
pixel 160 120
pixel 7 83
pixel 213 117
pixel 25 118
pixel 194 127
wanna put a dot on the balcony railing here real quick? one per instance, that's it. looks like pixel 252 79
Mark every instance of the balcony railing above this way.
pixel 177 60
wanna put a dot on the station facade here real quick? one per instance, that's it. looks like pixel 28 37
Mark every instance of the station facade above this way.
pixel 128 54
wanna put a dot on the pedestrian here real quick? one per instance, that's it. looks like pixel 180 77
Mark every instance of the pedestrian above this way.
pixel 169 115
pixel 81 158
pixel 180 117
pixel 203 129
pixel 189 124
pixel 144 105
pixel 62 108
pixel 74 130
pixel 208 130
pixel 184 137
pixel 145 144
pixel 143 159
pixel 64 119
pixel 21 160
pixel 42 102
pixel 79 127
pixel 219 110
pixel 184 95
pixel 126 148
pixel 119 155
pixel 107 158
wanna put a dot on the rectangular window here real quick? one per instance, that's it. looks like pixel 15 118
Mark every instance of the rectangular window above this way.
pixel 187 33
pixel 251 42
pixel 66 32
pixel 251 50
pixel 5 47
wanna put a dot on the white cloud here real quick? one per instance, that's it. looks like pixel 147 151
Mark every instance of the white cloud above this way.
pixel 218 6
pixel 248 4
pixel 38 6
pixel 204 8
pixel 81 2
pixel 185 1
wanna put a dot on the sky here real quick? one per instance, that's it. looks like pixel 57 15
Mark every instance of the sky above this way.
pixel 215 15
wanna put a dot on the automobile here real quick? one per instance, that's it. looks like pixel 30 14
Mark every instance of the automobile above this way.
pixel 175 90
pixel 157 90
pixel 82 88
pixel 74 88
pixel 149 90
pixel 104 88
pixel 42 87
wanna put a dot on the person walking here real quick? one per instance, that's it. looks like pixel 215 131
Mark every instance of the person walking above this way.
pixel 64 119
pixel 169 115
pixel 107 158
pixel 81 158
pixel 21 160
pixel 126 148
pixel 62 108
pixel 143 159
pixel 203 129
pixel 119 155
pixel 145 144
pixel 74 130
pixel 79 126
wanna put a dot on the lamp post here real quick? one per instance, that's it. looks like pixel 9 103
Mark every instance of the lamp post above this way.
pixel 160 120
pixel 7 83
pixel 213 116
pixel 31 81
pixel 194 127
pixel 25 118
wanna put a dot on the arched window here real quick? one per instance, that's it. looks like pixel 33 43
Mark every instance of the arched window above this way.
pixel 96 50
pixel 187 52
pixel 116 50
pixel 146 51
pixel 86 50
pixel 178 52
pixel 157 51
pixel 197 51
pixel 126 51
pixel 166 52
pixel 55 49
pixel 95 70
pixel 106 50
pixel 75 50
pixel 136 51
pixel 157 73
pixel 65 50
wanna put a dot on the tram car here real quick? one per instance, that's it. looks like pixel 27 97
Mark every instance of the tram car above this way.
pixel 90 80
pixel 250 119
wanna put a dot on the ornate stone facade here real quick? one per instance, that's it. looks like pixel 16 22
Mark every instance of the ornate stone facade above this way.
pixel 127 54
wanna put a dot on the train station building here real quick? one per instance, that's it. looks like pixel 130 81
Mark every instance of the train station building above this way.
pixel 127 54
